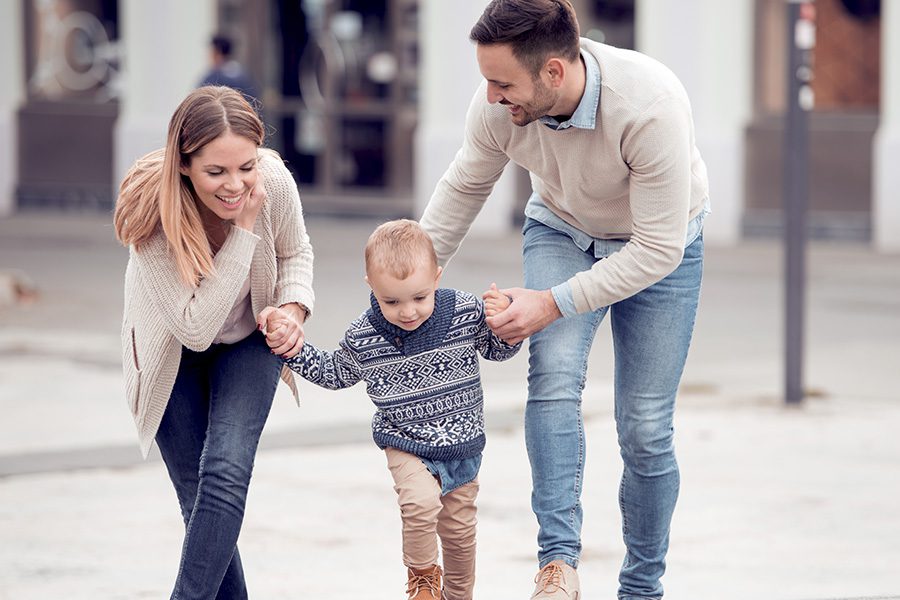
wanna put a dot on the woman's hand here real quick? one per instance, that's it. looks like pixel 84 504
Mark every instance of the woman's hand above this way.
pixel 247 217
pixel 283 328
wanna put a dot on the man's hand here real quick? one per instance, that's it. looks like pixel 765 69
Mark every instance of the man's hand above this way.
pixel 530 311
pixel 283 328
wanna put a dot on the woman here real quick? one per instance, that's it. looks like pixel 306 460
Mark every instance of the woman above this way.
pixel 218 286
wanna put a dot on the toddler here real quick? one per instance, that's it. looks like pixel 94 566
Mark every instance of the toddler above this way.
pixel 417 348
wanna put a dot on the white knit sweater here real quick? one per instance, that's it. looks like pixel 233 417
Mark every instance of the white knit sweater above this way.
pixel 638 175
pixel 162 313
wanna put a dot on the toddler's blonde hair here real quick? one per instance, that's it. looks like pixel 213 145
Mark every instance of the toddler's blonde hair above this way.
pixel 399 247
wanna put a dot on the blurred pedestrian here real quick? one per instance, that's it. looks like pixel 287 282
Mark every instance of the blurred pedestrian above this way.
pixel 613 225
pixel 416 347
pixel 218 251
pixel 225 70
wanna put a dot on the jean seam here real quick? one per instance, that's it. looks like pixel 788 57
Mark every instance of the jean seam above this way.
pixel 190 525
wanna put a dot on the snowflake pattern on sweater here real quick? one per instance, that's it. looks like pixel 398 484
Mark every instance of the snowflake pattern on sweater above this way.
pixel 425 383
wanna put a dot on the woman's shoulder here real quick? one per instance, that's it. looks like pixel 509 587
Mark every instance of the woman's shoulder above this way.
pixel 272 166
pixel 280 185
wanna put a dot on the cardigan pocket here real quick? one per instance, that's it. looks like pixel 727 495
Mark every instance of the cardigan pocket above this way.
pixel 132 374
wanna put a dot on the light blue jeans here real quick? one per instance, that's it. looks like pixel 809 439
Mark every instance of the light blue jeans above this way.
pixel 651 333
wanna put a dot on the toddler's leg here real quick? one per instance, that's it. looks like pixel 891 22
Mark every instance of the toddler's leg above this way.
pixel 419 497
pixel 456 527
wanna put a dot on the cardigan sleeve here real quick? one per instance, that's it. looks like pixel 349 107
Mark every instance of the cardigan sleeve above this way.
pixel 195 315
pixel 333 370
pixel 293 251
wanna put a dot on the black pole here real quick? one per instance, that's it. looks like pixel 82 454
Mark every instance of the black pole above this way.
pixel 801 39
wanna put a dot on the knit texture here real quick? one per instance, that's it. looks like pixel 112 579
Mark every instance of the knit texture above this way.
pixel 425 383
pixel 162 313
pixel 638 175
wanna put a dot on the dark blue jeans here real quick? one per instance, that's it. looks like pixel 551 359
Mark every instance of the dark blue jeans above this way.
pixel 208 439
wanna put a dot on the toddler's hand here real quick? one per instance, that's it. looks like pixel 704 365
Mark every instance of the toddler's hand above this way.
pixel 495 302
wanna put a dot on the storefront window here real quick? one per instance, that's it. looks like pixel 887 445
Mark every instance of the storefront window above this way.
pixel 340 94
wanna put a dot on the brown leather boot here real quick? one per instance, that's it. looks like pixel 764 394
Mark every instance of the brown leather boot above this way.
pixel 424 584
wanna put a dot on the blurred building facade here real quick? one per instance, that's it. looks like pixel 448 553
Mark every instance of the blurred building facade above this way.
pixel 366 99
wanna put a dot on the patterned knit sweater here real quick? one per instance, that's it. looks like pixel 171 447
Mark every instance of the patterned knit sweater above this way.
pixel 637 175
pixel 425 383
pixel 163 314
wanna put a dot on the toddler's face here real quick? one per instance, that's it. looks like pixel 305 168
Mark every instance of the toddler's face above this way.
pixel 406 303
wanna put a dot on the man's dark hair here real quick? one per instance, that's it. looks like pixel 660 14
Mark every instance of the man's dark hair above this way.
pixel 534 29
pixel 222 44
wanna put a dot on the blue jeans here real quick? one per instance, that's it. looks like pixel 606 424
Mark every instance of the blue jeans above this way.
pixel 208 438
pixel 651 333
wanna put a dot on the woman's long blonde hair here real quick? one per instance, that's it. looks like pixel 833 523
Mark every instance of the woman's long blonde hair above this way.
pixel 155 192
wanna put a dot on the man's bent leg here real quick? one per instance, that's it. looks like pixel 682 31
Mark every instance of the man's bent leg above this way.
pixel 651 333
pixel 554 430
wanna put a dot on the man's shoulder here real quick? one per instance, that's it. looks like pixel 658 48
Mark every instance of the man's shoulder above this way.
pixel 637 78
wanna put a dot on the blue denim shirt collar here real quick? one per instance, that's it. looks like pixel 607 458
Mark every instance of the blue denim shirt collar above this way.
pixel 585 115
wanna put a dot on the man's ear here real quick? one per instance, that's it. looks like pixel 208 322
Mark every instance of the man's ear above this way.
pixel 555 70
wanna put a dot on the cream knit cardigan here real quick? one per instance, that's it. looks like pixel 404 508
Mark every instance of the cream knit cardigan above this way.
pixel 162 313
pixel 638 175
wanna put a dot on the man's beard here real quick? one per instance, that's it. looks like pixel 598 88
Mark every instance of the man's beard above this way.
pixel 544 99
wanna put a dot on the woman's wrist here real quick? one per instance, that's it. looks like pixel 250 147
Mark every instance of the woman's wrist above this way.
pixel 298 311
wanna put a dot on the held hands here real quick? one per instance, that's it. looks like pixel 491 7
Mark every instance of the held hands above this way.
pixel 494 301
pixel 529 312
pixel 283 328
pixel 252 205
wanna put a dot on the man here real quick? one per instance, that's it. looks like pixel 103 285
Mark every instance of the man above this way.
pixel 224 70
pixel 613 226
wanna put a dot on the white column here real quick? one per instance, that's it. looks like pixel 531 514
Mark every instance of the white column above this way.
pixel 886 155
pixel 709 46
pixel 165 53
pixel 12 51
pixel 448 78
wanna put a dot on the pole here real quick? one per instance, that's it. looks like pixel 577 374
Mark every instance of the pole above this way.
pixel 801 40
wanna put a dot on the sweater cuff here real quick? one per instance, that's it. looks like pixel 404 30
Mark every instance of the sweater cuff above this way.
pixel 296 293
pixel 240 245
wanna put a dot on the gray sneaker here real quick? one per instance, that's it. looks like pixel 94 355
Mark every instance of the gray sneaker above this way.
pixel 556 581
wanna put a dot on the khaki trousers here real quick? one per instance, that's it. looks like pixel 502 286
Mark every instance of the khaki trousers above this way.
pixel 427 516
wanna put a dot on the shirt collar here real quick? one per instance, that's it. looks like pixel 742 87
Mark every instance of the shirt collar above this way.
pixel 585 115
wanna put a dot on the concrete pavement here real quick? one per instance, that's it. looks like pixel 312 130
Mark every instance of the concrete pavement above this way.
pixel 793 504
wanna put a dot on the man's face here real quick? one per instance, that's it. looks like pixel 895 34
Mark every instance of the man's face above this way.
pixel 511 84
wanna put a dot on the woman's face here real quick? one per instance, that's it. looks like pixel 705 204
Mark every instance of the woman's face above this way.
pixel 223 172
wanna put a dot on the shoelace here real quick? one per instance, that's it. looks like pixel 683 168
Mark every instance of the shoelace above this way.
pixel 429 580
pixel 551 575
